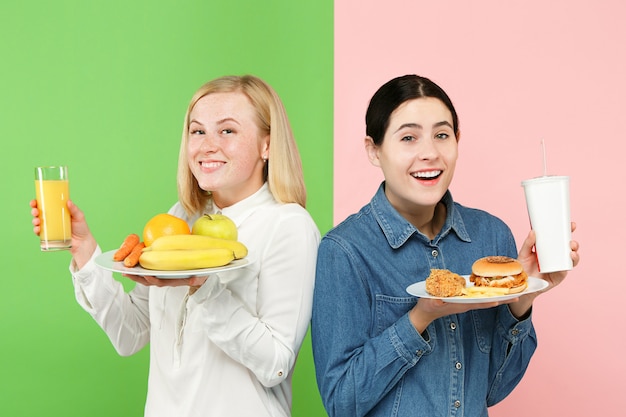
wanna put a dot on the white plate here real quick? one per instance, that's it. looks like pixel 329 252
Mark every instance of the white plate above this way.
pixel 105 260
pixel 419 290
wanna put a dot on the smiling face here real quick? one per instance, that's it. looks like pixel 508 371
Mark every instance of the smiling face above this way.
pixel 417 155
pixel 225 148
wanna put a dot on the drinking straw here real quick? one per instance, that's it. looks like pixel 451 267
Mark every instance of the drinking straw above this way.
pixel 543 149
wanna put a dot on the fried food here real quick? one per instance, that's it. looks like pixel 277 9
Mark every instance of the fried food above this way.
pixel 499 272
pixel 485 292
pixel 444 283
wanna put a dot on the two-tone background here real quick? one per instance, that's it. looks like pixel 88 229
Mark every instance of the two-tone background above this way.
pixel 103 86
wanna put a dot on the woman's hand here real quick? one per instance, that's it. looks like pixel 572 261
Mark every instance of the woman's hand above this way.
pixel 528 258
pixel 427 310
pixel 83 242
pixel 146 280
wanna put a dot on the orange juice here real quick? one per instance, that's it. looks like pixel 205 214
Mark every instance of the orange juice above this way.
pixel 52 196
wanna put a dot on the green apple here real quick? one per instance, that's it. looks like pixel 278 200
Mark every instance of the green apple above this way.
pixel 215 225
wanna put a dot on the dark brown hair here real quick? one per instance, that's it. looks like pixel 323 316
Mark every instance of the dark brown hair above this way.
pixel 395 92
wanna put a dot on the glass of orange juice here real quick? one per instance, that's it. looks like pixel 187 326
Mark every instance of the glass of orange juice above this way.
pixel 52 191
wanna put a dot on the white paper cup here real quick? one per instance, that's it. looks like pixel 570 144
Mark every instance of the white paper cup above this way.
pixel 548 204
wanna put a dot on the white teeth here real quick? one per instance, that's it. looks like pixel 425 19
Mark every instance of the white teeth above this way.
pixel 210 164
pixel 427 174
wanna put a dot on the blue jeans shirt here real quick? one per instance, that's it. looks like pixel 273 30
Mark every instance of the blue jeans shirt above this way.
pixel 369 359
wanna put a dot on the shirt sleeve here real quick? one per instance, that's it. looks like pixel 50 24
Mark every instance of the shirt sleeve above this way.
pixel 267 340
pixel 354 370
pixel 515 341
pixel 123 316
pixel 514 344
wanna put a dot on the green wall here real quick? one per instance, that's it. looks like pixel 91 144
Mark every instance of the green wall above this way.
pixel 102 87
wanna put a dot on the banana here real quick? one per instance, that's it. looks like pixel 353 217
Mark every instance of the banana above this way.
pixel 173 260
pixel 190 242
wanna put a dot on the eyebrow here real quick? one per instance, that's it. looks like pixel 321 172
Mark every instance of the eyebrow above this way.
pixel 224 120
pixel 419 126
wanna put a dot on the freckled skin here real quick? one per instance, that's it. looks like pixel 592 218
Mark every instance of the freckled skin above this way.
pixel 225 149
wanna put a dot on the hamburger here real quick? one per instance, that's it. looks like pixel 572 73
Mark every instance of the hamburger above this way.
pixel 499 272
pixel 444 283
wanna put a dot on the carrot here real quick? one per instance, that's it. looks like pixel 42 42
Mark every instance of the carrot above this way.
pixel 129 243
pixel 133 258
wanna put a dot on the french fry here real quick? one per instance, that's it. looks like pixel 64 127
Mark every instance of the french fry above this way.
pixel 480 292
pixel 133 257
pixel 127 246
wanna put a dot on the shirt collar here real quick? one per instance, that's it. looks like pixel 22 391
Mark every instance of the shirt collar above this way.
pixel 397 229
pixel 239 211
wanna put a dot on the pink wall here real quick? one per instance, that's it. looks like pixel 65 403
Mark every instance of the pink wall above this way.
pixel 518 72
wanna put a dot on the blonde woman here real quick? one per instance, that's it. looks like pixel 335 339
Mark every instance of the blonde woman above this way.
pixel 223 345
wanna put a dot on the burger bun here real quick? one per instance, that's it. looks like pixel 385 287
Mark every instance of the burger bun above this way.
pixel 499 272
pixel 495 266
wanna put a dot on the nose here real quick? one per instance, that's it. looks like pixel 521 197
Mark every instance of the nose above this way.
pixel 427 149
pixel 208 144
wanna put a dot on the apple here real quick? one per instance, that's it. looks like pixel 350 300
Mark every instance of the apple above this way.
pixel 215 225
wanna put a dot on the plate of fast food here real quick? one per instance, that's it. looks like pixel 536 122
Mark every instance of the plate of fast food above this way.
pixel 105 261
pixel 493 278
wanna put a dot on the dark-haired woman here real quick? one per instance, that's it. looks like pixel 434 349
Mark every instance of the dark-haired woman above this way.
pixel 379 351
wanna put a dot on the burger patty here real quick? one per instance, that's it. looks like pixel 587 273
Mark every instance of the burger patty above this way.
pixel 508 281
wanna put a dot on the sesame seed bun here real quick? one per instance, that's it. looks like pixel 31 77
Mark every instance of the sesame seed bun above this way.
pixel 494 266
pixel 500 272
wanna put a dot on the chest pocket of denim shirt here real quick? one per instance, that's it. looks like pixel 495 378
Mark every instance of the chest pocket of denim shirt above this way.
pixel 389 309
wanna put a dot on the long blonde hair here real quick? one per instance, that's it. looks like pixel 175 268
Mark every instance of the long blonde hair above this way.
pixel 283 170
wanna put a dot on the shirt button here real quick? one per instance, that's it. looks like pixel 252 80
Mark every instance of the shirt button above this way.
pixel 434 253
pixel 280 373
pixel 515 332
pixel 457 404
pixel 453 326
pixel 419 352
pixel 458 365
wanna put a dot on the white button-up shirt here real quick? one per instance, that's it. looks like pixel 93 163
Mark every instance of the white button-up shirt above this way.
pixel 228 349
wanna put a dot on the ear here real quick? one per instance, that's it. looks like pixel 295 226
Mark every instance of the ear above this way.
pixel 372 151
pixel 458 136
pixel 265 148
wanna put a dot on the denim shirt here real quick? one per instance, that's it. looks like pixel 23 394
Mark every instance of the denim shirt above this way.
pixel 369 359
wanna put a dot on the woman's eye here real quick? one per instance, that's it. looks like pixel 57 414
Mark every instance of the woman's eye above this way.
pixel 227 131
pixel 197 132
pixel 442 136
pixel 407 138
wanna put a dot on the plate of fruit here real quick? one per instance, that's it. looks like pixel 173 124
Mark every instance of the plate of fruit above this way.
pixel 170 249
